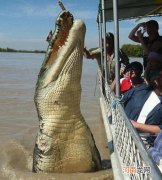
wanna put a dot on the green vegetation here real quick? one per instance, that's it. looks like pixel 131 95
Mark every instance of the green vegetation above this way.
pixel 20 51
pixel 132 50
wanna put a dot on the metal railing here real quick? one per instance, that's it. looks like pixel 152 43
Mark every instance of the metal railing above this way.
pixel 128 153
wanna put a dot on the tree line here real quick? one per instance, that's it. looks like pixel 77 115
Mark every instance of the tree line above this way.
pixel 130 49
pixel 20 51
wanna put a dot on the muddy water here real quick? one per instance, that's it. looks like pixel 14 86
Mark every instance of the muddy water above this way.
pixel 19 122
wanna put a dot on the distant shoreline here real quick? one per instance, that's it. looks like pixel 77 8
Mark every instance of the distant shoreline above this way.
pixel 131 50
pixel 21 51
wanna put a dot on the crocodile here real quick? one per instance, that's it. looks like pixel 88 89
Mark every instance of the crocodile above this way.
pixel 64 142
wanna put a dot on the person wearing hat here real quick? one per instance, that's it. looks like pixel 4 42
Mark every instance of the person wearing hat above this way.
pixel 133 72
pixel 95 53
pixel 152 42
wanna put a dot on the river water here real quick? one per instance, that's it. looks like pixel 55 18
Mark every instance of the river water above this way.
pixel 19 122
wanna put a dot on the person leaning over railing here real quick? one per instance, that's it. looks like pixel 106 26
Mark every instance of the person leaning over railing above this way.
pixel 96 54
pixel 143 104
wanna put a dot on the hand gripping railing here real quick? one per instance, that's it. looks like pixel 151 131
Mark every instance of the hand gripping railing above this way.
pixel 129 150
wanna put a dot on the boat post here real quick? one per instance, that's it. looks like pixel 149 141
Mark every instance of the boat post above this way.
pixel 100 40
pixel 104 38
pixel 116 42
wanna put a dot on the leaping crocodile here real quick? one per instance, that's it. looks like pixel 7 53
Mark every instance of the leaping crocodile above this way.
pixel 64 141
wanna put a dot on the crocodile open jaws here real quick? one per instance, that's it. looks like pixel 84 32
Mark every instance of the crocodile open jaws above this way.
pixel 64 142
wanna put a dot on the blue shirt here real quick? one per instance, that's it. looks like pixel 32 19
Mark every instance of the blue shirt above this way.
pixel 156 151
pixel 134 100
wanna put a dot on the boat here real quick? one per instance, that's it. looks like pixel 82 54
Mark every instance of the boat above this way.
pixel 129 156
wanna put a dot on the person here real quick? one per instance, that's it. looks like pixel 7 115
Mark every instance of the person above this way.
pixel 96 54
pixel 156 151
pixel 152 42
pixel 132 78
pixel 143 104
pixel 154 60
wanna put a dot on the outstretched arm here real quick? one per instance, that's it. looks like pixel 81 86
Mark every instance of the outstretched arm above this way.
pixel 133 35
pixel 146 128
pixel 88 54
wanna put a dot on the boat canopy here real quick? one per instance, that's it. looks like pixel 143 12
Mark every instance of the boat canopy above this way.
pixel 128 9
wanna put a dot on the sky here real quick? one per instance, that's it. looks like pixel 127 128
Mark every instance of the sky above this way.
pixel 24 24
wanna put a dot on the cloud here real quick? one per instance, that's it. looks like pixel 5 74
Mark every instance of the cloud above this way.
pixel 81 12
pixel 51 10
pixel 33 9
pixel 40 11
pixel 11 14
pixel 85 14
pixel 26 9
